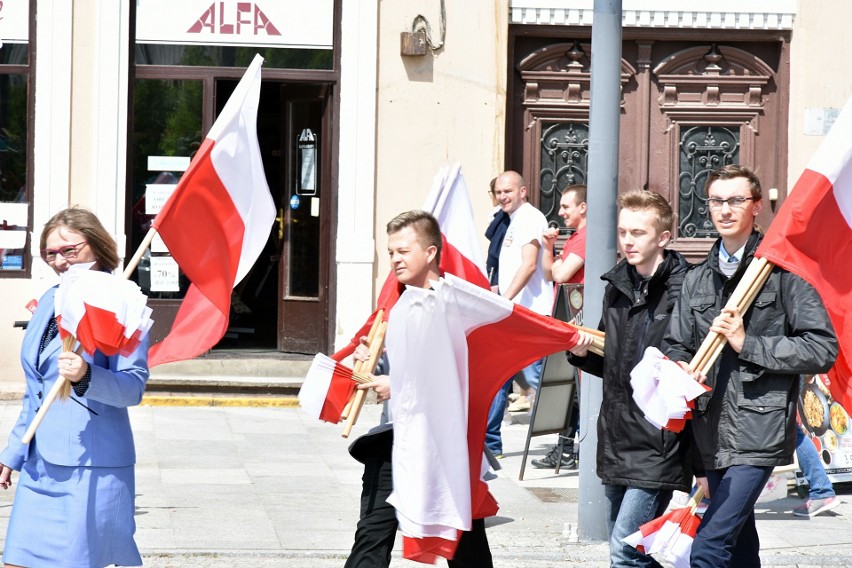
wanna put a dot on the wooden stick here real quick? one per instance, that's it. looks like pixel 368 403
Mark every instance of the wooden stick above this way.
pixel 375 351
pixel 695 500
pixel 742 297
pixel 137 256
pixel 358 367
pixel 48 400
pixel 589 330
pixel 67 345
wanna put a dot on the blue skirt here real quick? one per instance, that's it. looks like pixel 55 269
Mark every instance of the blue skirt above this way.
pixel 77 517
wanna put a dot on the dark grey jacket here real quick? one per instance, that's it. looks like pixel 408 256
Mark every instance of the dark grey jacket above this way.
pixel 631 451
pixel 750 416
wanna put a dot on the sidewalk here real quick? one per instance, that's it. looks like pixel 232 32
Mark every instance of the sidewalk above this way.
pixel 270 487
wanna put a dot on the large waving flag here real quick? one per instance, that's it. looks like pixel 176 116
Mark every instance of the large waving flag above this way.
pixel 216 223
pixel 812 237
pixel 467 342
pixel 449 202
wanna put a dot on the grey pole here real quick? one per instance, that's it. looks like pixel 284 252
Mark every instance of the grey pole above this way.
pixel 601 240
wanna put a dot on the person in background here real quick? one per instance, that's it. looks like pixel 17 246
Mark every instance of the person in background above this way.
pixel 76 492
pixel 568 268
pixel 521 281
pixel 494 233
pixel 640 465
pixel 746 425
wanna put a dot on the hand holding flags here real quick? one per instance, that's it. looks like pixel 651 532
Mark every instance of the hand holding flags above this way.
pixel 103 313
pixel 663 391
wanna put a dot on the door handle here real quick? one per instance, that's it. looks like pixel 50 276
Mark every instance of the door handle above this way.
pixel 280 220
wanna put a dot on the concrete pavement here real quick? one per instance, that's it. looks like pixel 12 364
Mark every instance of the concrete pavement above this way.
pixel 271 487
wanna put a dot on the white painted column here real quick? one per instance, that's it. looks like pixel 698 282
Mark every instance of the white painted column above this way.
pixel 356 224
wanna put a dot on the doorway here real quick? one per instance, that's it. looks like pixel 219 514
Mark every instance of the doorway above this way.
pixel 283 302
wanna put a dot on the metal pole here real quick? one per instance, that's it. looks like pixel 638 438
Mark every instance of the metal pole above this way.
pixel 601 243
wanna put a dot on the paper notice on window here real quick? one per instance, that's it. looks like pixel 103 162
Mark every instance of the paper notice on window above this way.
pixel 168 163
pixel 12 240
pixel 14 214
pixel 158 244
pixel 164 274
pixel 156 195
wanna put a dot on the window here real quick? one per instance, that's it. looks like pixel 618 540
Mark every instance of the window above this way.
pixel 15 197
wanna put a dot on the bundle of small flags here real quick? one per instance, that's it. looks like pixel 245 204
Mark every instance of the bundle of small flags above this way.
pixel 664 391
pixel 671 535
pixel 102 311
pixel 327 388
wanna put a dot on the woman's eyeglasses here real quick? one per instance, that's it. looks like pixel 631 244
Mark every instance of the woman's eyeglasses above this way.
pixel 49 255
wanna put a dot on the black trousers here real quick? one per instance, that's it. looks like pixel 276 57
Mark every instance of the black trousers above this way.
pixel 376 531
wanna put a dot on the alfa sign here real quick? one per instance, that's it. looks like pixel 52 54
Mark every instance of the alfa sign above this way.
pixel 274 23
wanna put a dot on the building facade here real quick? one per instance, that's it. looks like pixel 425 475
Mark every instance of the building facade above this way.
pixel 103 104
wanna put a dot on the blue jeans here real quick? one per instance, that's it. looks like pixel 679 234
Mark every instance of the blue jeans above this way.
pixel 495 418
pixel 532 373
pixel 727 536
pixel 819 486
pixel 626 509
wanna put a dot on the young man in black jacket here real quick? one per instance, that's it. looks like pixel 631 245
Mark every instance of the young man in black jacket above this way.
pixel 640 465
pixel 747 425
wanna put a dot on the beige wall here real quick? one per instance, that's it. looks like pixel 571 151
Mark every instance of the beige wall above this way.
pixel 821 73
pixel 444 107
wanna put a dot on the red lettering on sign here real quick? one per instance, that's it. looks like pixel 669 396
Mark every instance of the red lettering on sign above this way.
pixel 247 15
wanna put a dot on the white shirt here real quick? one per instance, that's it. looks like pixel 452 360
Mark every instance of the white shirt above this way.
pixel 527 225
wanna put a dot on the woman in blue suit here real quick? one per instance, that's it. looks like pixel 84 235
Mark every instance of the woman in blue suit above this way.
pixel 75 499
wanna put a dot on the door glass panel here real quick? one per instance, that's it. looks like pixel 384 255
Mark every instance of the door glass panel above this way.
pixel 703 148
pixel 14 214
pixel 564 162
pixel 303 228
pixel 166 134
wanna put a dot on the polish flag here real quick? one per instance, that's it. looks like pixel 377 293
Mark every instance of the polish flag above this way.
pixel 449 202
pixel 451 349
pixel 670 536
pixel 812 236
pixel 326 389
pixel 216 223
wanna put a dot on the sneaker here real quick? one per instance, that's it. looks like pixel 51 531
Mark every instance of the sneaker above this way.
pixel 520 405
pixel 814 507
pixel 549 461
pixel 514 396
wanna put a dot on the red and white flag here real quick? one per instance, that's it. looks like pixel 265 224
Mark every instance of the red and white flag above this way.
pixel 216 223
pixel 326 389
pixel 812 236
pixel 449 202
pixel 466 343
pixel 670 535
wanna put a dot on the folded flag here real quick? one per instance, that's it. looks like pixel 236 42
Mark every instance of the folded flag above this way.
pixel 671 535
pixel 327 388
pixel 102 311
pixel 663 391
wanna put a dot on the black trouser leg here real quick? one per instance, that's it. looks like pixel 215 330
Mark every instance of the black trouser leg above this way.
pixel 376 532
pixel 473 550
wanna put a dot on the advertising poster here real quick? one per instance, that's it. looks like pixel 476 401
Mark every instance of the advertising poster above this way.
pixel 824 416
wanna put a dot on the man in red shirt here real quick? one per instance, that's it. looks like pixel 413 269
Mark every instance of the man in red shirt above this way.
pixel 568 268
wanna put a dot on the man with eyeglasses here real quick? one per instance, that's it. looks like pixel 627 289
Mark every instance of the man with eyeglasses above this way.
pixel 746 425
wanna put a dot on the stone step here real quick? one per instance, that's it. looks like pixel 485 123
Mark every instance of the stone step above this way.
pixel 260 372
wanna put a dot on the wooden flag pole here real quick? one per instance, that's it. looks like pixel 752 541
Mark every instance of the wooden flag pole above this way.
pixel 137 256
pixel 358 367
pixel 742 297
pixel 376 348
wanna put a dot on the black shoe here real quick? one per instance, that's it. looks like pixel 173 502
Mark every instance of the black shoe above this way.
pixel 549 461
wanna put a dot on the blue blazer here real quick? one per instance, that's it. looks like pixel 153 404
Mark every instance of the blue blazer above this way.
pixel 71 435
